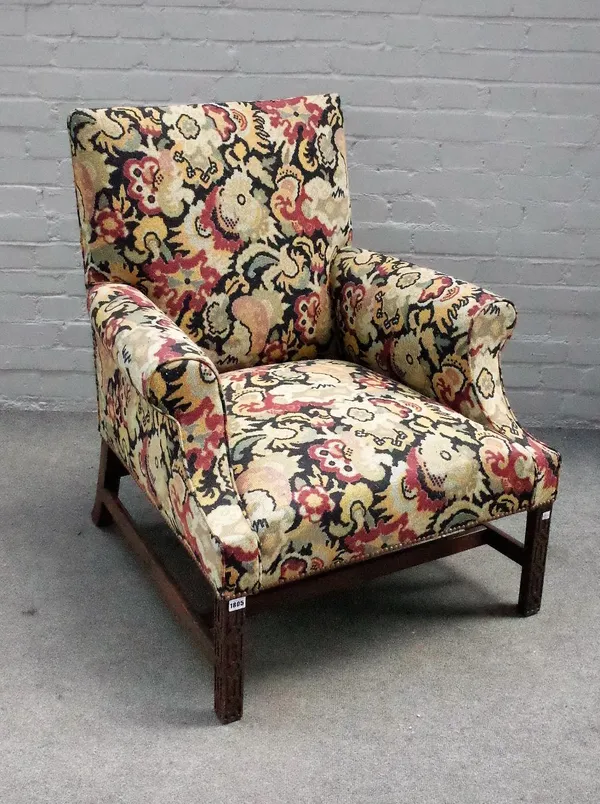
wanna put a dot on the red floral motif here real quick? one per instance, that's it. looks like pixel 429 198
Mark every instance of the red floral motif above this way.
pixel 293 116
pixel 142 183
pixel 428 499
pixel 239 375
pixel 307 309
pixel 504 466
pixel 275 352
pixel 111 329
pixel 452 389
pixel 176 282
pixel 292 568
pixel 544 470
pixel 403 408
pixel 334 456
pixel 109 225
pixel 222 119
pixel 290 209
pixel 399 527
pixel 209 222
pixel 150 127
pixel 352 296
pixel 435 288
pixel 238 553
pixel 480 301
pixel 201 454
pixel 271 403
pixel 170 349
pixel 313 502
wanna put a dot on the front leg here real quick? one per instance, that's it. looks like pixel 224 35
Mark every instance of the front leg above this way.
pixel 536 547
pixel 229 659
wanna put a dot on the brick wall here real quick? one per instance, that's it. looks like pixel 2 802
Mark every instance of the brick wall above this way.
pixel 473 134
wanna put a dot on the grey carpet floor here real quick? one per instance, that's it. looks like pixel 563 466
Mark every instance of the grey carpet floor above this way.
pixel 421 687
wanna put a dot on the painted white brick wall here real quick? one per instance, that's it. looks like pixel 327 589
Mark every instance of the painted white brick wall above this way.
pixel 473 131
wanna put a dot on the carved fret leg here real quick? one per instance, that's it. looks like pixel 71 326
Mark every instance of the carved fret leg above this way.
pixel 110 472
pixel 532 575
pixel 229 661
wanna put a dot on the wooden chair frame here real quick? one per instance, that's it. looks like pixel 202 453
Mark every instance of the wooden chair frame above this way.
pixel 220 633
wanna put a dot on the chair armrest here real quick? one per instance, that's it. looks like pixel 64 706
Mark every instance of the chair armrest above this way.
pixel 177 379
pixel 141 338
pixel 440 336
pixel 164 366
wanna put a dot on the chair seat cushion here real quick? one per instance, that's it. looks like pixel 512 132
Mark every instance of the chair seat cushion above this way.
pixel 335 462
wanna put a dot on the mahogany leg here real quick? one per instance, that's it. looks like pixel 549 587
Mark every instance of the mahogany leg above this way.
pixel 532 575
pixel 229 661
pixel 110 472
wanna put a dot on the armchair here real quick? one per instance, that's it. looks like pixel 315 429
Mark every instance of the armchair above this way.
pixel 304 414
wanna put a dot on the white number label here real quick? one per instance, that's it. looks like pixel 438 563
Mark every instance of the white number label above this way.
pixel 238 603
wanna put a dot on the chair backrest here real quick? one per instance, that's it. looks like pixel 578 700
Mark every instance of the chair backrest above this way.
pixel 227 215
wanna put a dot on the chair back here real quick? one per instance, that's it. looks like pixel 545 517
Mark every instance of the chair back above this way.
pixel 227 215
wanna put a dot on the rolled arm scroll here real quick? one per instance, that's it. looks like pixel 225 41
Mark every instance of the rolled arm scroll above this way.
pixel 438 335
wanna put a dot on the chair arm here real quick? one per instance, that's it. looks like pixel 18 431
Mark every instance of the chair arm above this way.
pixel 139 335
pixel 178 380
pixel 440 336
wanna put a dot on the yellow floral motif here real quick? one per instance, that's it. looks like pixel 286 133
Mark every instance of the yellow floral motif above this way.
pixel 242 214
pixel 149 234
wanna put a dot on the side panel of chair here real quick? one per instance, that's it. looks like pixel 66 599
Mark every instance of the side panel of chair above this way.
pixel 146 441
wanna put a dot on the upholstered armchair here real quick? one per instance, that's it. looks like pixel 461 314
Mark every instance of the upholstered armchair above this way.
pixel 303 413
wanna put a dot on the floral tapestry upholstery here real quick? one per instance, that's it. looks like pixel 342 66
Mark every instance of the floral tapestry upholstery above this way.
pixel 226 215
pixel 437 334
pixel 288 402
